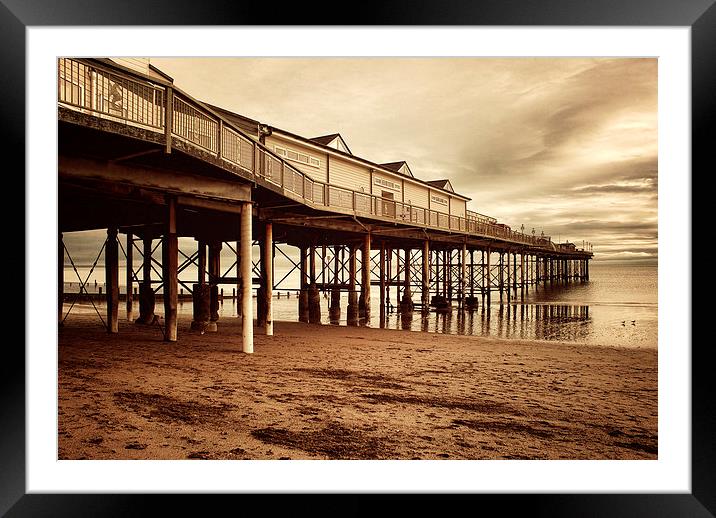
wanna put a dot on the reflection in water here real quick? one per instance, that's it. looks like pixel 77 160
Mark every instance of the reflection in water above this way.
pixel 524 321
pixel 561 322
pixel 551 316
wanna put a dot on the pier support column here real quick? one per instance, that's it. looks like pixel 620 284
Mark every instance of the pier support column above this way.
pixel 268 259
pixel 382 281
pixel 146 292
pixel 303 312
pixel 471 300
pixel 514 273
pixel 448 276
pixel 239 279
pixel 247 310
pixel 365 278
pixel 501 277
pixel 558 262
pixel 111 259
pixel 406 304
pixel 436 264
pixel 568 270
pixel 397 278
pixel 472 273
pixel 129 277
pixel 388 276
pixel 556 268
pixel 537 268
pixel 463 276
pixel 261 290
pixel 214 274
pixel 60 277
pixel 352 310
pixel 508 286
pixel 445 267
pixel 485 286
pixel 587 269
pixel 425 295
pixel 334 311
pixel 170 265
pixel 314 298
pixel 522 274
pixel 565 270
pixel 488 277
pixel 201 292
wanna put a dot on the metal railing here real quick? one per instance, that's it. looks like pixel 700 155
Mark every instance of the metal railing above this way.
pixel 107 94
pixel 93 88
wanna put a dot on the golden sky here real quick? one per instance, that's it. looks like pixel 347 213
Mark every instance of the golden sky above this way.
pixel 564 145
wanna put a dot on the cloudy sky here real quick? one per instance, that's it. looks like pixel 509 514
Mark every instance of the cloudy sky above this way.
pixel 564 145
pixel 567 146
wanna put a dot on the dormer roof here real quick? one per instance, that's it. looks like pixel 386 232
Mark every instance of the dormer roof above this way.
pixel 333 140
pixel 445 185
pixel 399 167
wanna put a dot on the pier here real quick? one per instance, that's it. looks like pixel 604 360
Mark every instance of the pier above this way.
pixel 150 163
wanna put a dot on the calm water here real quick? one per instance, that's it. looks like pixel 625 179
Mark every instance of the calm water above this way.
pixel 617 307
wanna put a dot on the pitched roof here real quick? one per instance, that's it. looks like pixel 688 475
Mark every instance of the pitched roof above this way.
pixel 327 140
pixel 399 167
pixel 445 185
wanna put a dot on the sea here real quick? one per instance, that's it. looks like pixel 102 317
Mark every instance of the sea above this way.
pixel 618 306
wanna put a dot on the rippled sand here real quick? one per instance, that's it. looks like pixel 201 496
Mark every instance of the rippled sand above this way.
pixel 326 392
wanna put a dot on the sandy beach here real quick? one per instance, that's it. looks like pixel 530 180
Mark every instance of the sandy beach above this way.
pixel 328 392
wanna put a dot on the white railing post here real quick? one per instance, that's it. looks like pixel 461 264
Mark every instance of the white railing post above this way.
pixel 218 140
pixel 169 119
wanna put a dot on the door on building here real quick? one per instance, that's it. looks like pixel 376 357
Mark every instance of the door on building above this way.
pixel 387 203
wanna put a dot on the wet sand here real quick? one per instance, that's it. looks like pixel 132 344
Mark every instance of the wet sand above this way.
pixel 327 392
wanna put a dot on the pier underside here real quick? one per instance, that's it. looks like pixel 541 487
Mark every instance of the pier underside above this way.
pixel 179 170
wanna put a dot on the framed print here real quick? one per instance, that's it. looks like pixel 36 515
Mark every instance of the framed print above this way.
pixel 88 67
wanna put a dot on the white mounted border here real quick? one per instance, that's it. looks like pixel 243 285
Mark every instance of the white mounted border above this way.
pixel 670 473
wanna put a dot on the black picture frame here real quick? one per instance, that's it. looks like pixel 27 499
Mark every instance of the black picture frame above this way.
pixel 700 15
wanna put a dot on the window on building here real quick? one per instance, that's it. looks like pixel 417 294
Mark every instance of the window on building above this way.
pixel 295 156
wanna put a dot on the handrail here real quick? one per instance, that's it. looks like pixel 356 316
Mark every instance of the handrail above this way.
pixel 119 96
